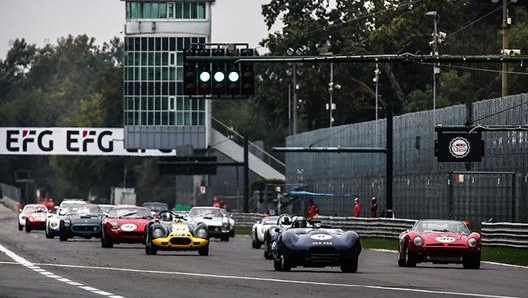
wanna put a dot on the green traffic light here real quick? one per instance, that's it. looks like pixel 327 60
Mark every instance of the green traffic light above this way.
pixel 233 76
pixel 205 76
pixel 219 76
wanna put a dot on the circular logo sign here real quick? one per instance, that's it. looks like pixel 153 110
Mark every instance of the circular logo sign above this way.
pixel 128 227
pixel 445 239
pixel 321 237
pixel 459 147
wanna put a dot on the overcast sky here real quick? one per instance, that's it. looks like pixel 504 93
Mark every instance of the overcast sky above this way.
pixel 44 21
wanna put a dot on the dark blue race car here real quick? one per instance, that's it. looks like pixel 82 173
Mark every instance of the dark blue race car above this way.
pixel 81 221
pixel 302 245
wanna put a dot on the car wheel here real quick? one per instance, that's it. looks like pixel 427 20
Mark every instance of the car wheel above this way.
pixel 410 258
pixel 204 251
pixel 149 248
pixel 63 236
pixel 281 264
pixel 472 262
pixel 351 266
pixel 28 228
pixel 224 237
pixel 106 242
pixel 20 227
pixel 267 250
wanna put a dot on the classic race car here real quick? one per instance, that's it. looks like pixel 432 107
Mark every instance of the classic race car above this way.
pixel 125 224
pixel 301 245
pixel 258 230
pixel 33 217
pixel 54 218
pixel 215 218
pixel 439 242
pixel 156 207
pixel 82 220
pixel 172 232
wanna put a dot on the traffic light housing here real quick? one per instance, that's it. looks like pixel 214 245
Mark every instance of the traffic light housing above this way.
pixel 218 72
pixel 190 80
pixel 219 75
pixel 204 72
pixel 247 74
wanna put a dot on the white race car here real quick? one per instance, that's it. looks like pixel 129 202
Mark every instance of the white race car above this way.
pixel 259 230
pixel 215 218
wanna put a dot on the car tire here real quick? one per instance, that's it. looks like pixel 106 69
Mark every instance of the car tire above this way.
pixel 472 262
pixel 409 257
pixel 63 236
pixel 351 266
pixel 20 227
pixel 149 248
pixel 224 237
pixel 28 229
pixel 267 250
pixel 204 251
pixel 106 242
pixel 281 264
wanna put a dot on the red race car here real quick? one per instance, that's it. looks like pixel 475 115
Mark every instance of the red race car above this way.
pixel 33 217
pixel 439 242
pixel 125 224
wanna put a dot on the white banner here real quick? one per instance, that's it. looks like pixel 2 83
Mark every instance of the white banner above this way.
pixel 69 141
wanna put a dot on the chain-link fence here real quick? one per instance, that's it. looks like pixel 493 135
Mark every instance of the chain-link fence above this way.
pixel 422 186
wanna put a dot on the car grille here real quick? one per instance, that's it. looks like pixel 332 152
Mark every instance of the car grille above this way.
pixel 85 228
pixel 180 241
pixel 445 245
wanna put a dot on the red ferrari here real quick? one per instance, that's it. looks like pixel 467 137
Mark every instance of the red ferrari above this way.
pixel 33 217
pixel 125 224
pixel 439 242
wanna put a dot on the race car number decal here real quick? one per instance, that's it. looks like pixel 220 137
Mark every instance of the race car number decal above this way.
pixel 321 237
pixel 128 227
pixel 445 239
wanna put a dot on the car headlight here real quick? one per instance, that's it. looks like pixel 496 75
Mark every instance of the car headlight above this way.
pixel 418 241
pixel 114 225
pixel 67 222
pixel 225 225
pixel 54 224
pixel 201 233
pixel 158 233
pixel 472 242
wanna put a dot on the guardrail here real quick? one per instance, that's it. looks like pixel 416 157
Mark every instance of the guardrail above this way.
pixel 366 227
pixel 505 234
pixel 493 234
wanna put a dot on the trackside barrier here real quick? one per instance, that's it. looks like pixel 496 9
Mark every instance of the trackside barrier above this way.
pixel 505 234
pixel 365 227
pixel 493 234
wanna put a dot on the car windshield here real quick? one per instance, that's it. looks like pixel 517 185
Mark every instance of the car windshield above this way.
pixel 84 209
pixel 270 220
pixel 130 212
pixel 35 208
pixel 205 212
pixel 428 226
pixel 156 207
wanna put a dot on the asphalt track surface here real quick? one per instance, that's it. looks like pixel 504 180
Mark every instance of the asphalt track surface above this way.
pixel 33 266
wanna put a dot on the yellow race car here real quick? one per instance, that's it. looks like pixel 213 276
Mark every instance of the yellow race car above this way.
pixel 170 231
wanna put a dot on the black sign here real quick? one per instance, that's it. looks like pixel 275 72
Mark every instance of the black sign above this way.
pixel 459 146
pixel 188 165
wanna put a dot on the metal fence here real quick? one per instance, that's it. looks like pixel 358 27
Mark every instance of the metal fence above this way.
pixel 422 187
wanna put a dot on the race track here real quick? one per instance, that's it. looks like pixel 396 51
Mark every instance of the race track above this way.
pixel 33 266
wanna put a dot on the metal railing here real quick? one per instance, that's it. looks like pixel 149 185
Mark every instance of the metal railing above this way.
pixel 505 234
pixel 253 148
pixel 493 234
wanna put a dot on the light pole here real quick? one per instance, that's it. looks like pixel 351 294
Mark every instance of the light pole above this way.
pixel 331 86
pixel 434 44
pixel 295 71
pixel 376 82
pixel 504 26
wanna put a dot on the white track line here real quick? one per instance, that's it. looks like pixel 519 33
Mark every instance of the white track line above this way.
pixel 20 260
